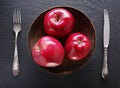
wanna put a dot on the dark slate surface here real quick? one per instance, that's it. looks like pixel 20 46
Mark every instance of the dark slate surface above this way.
pixel 31 75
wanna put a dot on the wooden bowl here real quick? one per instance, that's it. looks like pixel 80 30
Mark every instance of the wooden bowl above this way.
pixel 82 24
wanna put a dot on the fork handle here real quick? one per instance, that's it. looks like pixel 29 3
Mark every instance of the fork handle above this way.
pixel 105 64
pixel 16 67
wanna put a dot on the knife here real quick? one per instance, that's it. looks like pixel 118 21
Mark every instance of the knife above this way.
pixel 106 37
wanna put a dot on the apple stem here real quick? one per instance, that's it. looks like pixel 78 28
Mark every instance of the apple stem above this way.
pixel 57 17
pixel 79 42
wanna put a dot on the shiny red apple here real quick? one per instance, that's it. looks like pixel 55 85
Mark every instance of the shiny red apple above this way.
pixel 58 22
pixel 77 46
pixel 48 52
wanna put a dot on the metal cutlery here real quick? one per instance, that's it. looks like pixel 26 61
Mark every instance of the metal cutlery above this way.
pixel 16 29
pixel 106 37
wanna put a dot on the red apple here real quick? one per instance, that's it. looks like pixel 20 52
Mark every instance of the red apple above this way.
pixel 58 22
pixel 77 46
pixel 48 52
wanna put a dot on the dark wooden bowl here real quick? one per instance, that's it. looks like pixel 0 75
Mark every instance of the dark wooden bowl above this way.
pixel 82 24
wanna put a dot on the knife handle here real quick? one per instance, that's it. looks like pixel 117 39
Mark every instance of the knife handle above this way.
pixel 105 64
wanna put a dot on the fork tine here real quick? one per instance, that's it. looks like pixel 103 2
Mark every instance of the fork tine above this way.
pixel 19 16
pixel 14 17
pixel 15 14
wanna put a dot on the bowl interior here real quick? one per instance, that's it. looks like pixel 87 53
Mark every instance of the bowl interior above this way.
pixel 82 24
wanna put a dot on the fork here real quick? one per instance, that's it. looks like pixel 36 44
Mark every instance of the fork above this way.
pixel 16 29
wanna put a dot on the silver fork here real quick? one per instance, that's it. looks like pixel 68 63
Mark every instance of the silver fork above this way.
pixel 16 29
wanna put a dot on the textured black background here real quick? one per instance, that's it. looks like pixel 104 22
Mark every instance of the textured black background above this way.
pixel 31 75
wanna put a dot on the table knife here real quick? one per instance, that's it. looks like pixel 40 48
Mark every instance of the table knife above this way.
pixel 106 37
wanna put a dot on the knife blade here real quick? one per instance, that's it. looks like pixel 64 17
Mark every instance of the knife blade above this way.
pixel 106 28
pixel 106 37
